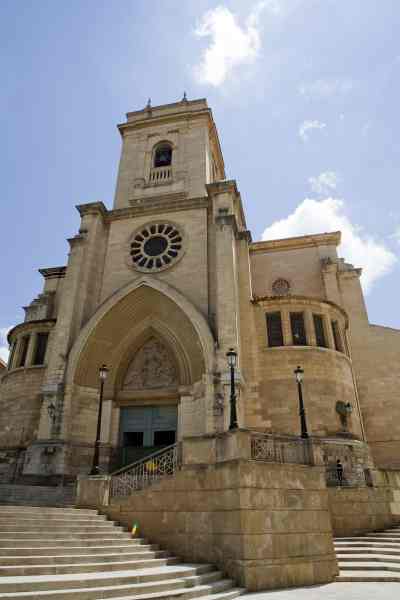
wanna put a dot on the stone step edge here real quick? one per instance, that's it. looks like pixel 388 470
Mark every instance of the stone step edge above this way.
pixel 179 570
pixel 362 566
pixel 360 552
pixel 145 547
pixel 133 587
pixel 38 507
pixel 355 557
pixel 366 577
pixel 55 556
pixel 149 562
pixel 366 545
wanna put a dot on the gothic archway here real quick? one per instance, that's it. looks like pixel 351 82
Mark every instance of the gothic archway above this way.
pixel 115 334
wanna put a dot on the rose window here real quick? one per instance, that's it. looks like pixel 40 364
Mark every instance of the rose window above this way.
pixel 280 287
pixel 156 247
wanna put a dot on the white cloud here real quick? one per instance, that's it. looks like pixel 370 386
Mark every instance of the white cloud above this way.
pixel 324 88
pixel 231 44
pixel 357 247
pixel 4 352
pixel 324 183
pixel 307 126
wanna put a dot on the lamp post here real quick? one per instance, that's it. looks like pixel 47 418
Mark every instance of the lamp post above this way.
pixel 231 355
pixel 299 374
pixel 103 372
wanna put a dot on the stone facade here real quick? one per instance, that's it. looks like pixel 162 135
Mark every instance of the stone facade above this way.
pixel 160 287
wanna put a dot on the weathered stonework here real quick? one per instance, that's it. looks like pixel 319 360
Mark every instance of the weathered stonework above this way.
pixel 159 288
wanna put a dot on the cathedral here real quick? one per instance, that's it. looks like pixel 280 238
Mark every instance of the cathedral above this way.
pixel 158 289
pixel 219 391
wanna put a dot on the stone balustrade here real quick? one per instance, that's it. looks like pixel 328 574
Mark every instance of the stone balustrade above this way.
pixel 160 175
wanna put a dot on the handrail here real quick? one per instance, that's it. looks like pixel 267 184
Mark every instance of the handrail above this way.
pixel 143 459
pixel 145 471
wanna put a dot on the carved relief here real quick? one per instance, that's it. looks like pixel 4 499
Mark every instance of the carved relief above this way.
pixel 151 368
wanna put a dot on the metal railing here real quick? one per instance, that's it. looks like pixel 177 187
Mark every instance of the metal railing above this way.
pixel 279 449
pixel 348 478
pixel 160 174
pixel 145 471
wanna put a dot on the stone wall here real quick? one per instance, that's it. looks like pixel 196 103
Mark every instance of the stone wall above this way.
pixel 328 378
pixel 362 509
pixel 359 510
pixel 375 355
pixel 20 406
pixel 266 525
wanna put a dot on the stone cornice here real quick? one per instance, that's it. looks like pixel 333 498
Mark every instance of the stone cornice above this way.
pixel 160 205
pixel 221 187
pixel 29 326
pixel 149 118
pixel 154 118
pixel 157 199
pixel 76 240
pixel 294 243
pixel 245 234
pixel 92 208
pixel 349 273
pixel 53 272
pixel 181 107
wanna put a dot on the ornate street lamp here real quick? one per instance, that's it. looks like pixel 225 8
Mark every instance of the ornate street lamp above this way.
pixel 231 355
pixel 299 374
pixel 103 372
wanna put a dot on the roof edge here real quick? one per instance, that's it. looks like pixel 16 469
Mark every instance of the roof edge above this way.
pixel 304 241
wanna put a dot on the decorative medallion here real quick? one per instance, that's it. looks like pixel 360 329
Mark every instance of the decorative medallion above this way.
pixel 151 368
pixel 156 246
pixel 280 287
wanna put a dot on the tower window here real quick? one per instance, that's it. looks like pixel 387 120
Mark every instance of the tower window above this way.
pixel 337 337
pixel 24 351
pixel 40 349
pixel 12 355
pixel 319 330
pixel 163 156
pixel 274 329
pixel 298 329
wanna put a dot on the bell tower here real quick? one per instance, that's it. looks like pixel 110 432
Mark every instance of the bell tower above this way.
pixel 168 150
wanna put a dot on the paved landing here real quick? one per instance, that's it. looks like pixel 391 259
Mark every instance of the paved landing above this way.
pixel 332 591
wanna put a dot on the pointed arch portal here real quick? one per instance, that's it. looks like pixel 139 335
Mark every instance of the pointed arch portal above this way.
pixel 155 344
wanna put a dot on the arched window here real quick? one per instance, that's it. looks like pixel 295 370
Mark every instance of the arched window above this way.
pixel 163 155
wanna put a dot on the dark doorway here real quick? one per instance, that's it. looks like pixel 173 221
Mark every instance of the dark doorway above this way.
pixel 144 430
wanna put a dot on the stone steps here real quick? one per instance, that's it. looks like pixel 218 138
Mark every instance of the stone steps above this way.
pixel 70 541
pixel 60 558
pixel 372 557
pixel 73 554
pixel 85 567
pixel 51 551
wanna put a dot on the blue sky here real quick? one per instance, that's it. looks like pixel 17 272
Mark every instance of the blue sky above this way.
pixel 305 94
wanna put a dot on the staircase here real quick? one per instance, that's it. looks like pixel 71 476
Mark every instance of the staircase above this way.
pixel 76 554
pixel 371 557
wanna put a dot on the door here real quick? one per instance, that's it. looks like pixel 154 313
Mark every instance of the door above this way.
pixel 146 429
